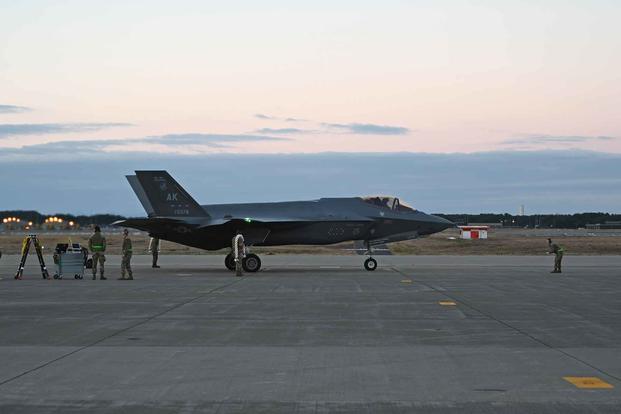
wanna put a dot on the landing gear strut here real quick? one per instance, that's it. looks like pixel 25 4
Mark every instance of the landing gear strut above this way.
pixel 370 264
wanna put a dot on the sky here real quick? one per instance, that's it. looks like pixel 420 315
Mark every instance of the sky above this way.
pixel 112 83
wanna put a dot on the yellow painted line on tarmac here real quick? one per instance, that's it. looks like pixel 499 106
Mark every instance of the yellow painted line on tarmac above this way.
pixel 406 281
pixel 588 382
pixel 447 303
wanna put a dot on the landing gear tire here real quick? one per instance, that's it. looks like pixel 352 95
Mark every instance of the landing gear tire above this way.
pixel 370 264
pixel 229 261
pixel 251 263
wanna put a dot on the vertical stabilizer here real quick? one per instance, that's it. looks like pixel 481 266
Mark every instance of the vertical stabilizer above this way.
pixel 162 196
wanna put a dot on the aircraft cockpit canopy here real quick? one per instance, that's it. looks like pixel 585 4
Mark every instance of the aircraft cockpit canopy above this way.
pixel 390 202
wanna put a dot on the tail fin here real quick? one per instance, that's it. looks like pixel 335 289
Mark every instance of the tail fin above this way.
pixel 162 196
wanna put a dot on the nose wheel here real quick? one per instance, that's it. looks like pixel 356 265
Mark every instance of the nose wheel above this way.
pixel 370 264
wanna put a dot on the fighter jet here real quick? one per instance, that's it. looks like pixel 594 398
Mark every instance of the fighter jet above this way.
pixel 175 216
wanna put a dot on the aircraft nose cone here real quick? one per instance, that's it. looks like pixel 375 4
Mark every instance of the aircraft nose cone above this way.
pixel 441 223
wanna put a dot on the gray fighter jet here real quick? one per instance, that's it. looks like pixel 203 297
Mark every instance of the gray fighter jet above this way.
pixel 175 216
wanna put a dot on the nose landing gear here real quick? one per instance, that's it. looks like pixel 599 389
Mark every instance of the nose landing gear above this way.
pixel 370 264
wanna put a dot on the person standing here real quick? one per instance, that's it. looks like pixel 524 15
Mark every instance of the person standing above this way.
pixel 239 252
pixel 558 255
pixel 154 248
pixel 97 246
pixel 126 250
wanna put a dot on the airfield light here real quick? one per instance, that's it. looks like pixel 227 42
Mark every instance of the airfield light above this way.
pixel 60 220
pixel 30 223
pixel 248 220
pixel 71 223
pixel 4 220
pixel 17 220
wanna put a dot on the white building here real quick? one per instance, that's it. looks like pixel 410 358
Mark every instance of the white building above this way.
pixel 473 232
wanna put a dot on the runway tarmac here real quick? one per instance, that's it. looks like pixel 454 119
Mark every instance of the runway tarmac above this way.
pixel 316 334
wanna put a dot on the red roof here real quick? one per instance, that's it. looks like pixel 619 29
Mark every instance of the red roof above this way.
pixel 468 228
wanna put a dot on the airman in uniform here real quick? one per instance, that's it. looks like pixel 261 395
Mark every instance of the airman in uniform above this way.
pixel 154 248
pixel 126 250
pixel 97 246
pixel 558 255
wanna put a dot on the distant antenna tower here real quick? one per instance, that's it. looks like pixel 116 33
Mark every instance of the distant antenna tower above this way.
pixel 521 212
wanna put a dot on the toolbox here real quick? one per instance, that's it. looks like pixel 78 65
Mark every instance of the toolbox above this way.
pixel 70 259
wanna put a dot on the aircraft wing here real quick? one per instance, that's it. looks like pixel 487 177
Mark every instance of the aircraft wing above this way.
pixel 249 221
pixel 152 224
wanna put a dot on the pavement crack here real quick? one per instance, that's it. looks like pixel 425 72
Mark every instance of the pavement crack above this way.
pixel 121 331
pixel 508 325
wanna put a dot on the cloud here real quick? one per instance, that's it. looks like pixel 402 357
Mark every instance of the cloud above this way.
pixel 359 128
pixel 129 145
pixel 369 129
pixel 276 118
pixel 11 109
pixel 542 139
pixel 9 130
pixel 282 131
pixel 200 139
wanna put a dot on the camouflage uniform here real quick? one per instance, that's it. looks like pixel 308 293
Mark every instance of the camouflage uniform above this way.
pixel 126 250
pixel 97 245
pixel 154 247
pixel 558 256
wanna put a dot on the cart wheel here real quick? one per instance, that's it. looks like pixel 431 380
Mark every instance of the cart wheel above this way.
pixel 55 276
pixel 81 277
pixel 75 277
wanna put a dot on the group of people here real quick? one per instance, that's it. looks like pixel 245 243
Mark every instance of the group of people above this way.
pixel 97 246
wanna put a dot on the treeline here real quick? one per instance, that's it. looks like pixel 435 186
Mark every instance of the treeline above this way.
pixel 565 221
pixel 37 218
pixel 507 220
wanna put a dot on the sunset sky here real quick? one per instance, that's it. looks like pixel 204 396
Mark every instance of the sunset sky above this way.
pixel 187 78
pixel 456 76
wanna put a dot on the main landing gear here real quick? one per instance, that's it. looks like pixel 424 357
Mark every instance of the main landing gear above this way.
pixel 370 264
pixel 251 263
